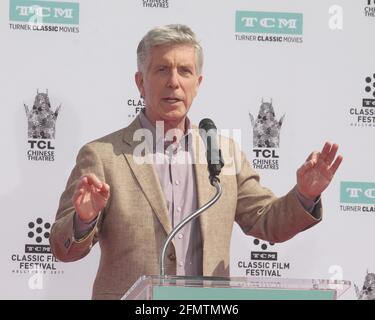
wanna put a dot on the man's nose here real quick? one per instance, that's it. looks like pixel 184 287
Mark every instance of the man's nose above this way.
pixel 173 80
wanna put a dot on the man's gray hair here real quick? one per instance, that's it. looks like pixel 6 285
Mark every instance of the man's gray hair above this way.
pixel 171 34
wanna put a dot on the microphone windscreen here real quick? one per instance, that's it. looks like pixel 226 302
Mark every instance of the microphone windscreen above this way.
pixel 207 124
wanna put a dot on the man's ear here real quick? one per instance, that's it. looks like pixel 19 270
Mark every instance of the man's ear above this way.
pixel 140 83
pixel 197 85
pixel 199 80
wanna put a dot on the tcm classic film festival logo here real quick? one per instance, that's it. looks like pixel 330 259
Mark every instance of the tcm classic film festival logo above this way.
pixel 155 3
pixel 135 106
pixel 370 8
pixel 364 116
pixel 263 261
pixel 357 197
pixel 259 26
pixel 41 127
pixel 50 16
pixel 266 137
pixel 36 256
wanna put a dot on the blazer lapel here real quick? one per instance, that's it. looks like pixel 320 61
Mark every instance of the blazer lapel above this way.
pixel 146 176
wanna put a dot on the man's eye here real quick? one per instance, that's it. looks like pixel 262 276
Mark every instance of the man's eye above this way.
pixel 186 71
pixel 162 69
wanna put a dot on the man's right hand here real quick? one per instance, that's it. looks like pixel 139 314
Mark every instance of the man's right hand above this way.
pixel 90 197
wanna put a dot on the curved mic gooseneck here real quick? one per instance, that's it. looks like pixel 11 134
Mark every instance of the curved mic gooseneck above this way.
pixel 216 183
pixel 215 163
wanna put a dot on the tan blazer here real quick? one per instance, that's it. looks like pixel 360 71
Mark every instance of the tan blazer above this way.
pixel 131 230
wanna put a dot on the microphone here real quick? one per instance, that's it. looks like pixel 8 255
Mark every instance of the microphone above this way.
pixel 207 131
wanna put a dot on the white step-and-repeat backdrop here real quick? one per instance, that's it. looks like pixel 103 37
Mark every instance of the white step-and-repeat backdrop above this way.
pixel 69 65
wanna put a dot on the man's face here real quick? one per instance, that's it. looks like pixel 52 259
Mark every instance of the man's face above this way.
pixel 170 82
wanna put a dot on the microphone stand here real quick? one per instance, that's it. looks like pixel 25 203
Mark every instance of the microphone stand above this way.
pixel 216 183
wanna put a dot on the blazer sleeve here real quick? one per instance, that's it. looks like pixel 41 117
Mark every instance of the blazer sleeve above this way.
pixel 261 214
pixel 64 246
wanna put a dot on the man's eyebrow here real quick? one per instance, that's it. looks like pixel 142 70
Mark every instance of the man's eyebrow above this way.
pixel 161 65
pixel 187 64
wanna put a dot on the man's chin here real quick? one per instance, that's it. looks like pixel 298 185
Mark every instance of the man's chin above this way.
pixel 174 116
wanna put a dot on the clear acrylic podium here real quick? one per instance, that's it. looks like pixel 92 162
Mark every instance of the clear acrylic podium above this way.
pixel 235 288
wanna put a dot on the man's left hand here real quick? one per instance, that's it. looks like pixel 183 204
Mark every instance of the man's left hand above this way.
pixel 314 176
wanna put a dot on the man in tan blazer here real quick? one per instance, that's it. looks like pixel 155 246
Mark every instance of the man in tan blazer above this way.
pixel 119 196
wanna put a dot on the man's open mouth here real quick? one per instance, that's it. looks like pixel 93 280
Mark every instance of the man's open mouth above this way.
pixel 171 100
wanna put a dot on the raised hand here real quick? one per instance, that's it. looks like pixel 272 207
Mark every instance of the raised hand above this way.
pixel 314 176
pixel 90 197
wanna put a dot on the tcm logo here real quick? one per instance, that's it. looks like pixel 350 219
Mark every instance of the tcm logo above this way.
pixel 370 89
pixel 357 192
pixel 263 255
pixel 269 22
pixel 39 230
pixel 44 11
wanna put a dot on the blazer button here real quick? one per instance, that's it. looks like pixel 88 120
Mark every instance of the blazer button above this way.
pixel 172 257
pixel 67 243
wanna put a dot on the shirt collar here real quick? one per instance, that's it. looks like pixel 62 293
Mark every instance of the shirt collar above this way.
pixel 158 139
